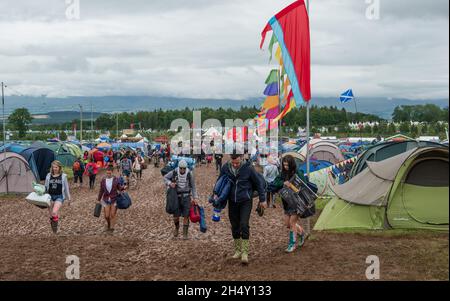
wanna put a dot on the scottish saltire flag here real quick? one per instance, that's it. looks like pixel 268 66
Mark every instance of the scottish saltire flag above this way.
pixel 347 96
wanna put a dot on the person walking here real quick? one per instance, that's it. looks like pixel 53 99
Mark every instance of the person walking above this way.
pixel 243 177
pixel 182 179
pixel 91 171
pixel 137 166
pixel 126 167
pixel 110 189
pixel 270 173
pixel 57 186
pixel 296 232
pixel 78 170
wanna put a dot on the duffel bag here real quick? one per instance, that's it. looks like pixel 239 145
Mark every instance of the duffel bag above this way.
pixel 194 214
pixel 172 201
pixel 123 201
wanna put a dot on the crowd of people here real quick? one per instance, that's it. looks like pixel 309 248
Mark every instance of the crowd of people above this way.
pixel 245 184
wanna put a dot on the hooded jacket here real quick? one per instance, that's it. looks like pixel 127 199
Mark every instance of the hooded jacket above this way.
pixel 243 183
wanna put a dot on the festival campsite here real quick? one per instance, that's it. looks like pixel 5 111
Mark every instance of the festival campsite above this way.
pixel 298 191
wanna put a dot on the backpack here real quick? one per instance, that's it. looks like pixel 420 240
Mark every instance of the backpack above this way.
pixel 76 166
pixel 90 169
pixel 125 165
pixel 175 177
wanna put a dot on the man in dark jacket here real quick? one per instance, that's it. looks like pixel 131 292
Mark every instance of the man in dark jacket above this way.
pixel 244 180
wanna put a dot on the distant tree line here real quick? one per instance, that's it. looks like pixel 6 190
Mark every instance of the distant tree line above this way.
pixel 161 120
pixel 420 113
pixel 333 120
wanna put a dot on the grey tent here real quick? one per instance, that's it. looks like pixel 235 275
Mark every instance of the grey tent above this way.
pixel 15 174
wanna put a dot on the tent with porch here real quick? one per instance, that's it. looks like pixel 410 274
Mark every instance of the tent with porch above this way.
pixel 407 191
pixel 385 150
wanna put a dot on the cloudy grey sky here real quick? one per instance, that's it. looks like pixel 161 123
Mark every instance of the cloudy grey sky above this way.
pixel 209 48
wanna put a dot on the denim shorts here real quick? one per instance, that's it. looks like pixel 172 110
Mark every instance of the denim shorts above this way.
pixel 108 203
pixel 57 198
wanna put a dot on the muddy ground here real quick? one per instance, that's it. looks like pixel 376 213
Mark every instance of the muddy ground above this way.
pixel 142 247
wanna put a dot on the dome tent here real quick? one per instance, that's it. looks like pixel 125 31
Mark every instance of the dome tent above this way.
pixel 323 150
pixel 40 160
pixel 62 153
pixel 385 150
pixel 15 174
pixel 394 193
pixel 39 157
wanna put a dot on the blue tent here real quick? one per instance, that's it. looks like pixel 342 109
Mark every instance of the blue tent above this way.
pixel 40 160
pixel 12 147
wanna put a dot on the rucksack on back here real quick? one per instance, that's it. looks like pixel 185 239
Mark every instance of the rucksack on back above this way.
pixel 76 166
pixel 90 169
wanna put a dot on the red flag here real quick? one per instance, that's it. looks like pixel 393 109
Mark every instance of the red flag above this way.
pixel 291 28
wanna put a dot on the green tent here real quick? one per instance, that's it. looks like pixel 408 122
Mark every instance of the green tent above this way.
pixel 386 150
pixel 408 191
pixel 74 149
pixel 63 153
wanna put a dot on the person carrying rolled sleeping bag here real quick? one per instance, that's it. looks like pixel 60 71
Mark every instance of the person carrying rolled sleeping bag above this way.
pixel 243 179
pixel 221 191
pixel 182 179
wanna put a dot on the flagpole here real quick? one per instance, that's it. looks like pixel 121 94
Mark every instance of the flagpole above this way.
pixel 356 117
pixel 307 121
pixel 279 107
pixel 3 118
pixel 308 221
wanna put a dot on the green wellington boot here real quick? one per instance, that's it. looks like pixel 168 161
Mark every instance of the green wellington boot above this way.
pixel 237 248
pixel 244 249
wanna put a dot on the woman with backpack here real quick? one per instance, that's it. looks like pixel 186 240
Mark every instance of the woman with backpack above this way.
pixel 78 170
pixel 110 188
pixel 296 232
pixel 182 179
pixel 57 186
pixel 91 170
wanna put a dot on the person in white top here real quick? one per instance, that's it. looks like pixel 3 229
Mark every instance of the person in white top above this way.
pixel 137 166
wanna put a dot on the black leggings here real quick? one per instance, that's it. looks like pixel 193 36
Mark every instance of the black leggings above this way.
pixel 239 215
pixel 218 164
pixel 92 181
pixel 78 176
pixel 138 174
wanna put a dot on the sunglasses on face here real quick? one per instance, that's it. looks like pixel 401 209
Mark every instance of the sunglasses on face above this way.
pixel 182 168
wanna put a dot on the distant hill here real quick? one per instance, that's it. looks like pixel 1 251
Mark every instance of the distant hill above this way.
pixel 382 107
pixel 62 117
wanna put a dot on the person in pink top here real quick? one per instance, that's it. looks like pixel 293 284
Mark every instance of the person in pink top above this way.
pixel 91 170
